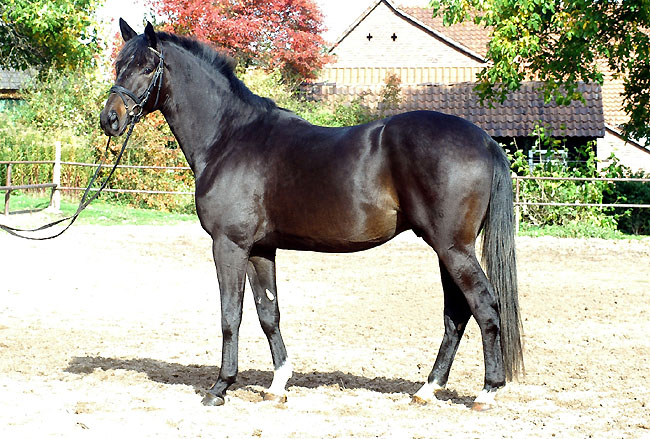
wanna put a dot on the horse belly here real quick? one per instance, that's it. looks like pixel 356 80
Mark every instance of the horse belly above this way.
pixel 337 195
pixel 337 228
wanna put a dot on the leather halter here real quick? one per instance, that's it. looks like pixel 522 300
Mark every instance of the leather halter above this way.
pixel 137 110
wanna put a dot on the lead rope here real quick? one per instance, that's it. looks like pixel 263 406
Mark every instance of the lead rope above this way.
pixel 85 200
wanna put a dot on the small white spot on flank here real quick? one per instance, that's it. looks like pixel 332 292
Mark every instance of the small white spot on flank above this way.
pixel 269 295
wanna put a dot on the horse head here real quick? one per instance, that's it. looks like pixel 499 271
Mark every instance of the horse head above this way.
pixel 138 86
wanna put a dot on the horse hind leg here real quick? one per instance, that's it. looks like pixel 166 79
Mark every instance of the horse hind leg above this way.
pixel 464 269
pixel 456 316
pixel 261 274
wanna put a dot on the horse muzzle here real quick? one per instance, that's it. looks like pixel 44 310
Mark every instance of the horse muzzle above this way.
pixel 113 120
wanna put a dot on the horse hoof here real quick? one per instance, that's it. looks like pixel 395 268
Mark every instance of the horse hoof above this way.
pixel 266 396
pixel 417 400
pixel 211 400
pixel 482 406
pixel 485 401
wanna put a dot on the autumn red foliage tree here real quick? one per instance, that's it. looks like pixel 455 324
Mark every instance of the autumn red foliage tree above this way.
pixel 272 34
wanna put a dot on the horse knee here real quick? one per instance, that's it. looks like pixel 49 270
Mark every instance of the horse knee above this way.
pixel 229 328
pixel 269 325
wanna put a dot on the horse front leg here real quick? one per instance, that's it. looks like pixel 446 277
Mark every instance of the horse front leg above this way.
pixel 231 260
pixel 261 274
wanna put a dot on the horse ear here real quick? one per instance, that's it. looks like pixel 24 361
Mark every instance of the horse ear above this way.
pixel 127 31
pixel 151 36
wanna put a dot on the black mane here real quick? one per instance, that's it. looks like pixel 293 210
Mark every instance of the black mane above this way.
pixel 220 62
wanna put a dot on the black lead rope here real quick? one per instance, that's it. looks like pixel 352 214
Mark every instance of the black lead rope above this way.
pixel 135 113
pixel 85 199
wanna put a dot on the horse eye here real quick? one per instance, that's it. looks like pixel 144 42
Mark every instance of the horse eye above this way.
pixel 147 70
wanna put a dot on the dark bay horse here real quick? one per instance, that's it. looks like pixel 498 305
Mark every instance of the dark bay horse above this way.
pixel 267 179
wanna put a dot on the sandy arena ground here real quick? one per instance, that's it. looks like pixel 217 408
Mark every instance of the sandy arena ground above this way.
pixel 109 331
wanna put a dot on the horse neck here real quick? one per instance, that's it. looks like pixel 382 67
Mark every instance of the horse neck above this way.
pixel 201 109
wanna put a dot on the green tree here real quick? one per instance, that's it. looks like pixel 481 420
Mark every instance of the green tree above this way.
pixel 44 34
pixel 561 42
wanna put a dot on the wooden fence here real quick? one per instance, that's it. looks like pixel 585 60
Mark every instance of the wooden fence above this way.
pixel 517 179
pixel 55 185
pixel 8 188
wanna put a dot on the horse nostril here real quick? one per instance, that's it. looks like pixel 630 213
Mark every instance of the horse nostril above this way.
pixel 113 120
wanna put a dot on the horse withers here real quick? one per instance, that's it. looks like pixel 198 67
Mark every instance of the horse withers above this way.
pixel 267 179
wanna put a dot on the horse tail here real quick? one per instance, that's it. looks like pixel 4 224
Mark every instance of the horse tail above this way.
pixel 500 261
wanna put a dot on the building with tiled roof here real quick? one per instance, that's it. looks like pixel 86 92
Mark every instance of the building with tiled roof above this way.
pixel 512 121
pixel 472 36
pixel 11 82
pixel 436 65
pixel 477 39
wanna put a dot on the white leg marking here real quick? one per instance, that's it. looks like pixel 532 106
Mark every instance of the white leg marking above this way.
pixel 269 295
pixel 280 378
pixel 486 397
pixel 427 391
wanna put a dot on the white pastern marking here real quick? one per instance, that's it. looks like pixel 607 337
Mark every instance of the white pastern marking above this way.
pixel 280 378
pixel 486 397
pixel 428 390
pixel 269 295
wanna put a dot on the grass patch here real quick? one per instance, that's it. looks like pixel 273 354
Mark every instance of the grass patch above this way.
pixel 100 213
pixel 574 230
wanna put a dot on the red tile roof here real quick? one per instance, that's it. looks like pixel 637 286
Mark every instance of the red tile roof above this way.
pixel 517 116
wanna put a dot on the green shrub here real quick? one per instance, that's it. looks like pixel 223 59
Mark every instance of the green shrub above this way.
pixel 27 143
pixel 561 191
pixel 65 108
pixel 572 230
pixel 64 102
pixel 340 113
pixel 634 221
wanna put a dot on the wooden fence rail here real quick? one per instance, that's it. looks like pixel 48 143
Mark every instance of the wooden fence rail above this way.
pixel 56 179
pixel 57 188
pixel 55 199
pixel 518 203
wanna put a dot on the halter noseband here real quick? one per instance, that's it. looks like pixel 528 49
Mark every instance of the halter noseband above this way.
pixel 136 111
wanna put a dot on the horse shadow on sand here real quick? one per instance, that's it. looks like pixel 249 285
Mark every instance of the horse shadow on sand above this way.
pixel 201 377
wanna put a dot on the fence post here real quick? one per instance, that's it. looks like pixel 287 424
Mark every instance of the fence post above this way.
pixel 56 178
pixel 8 194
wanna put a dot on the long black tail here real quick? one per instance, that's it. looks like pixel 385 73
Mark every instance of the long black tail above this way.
pixel 500 262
